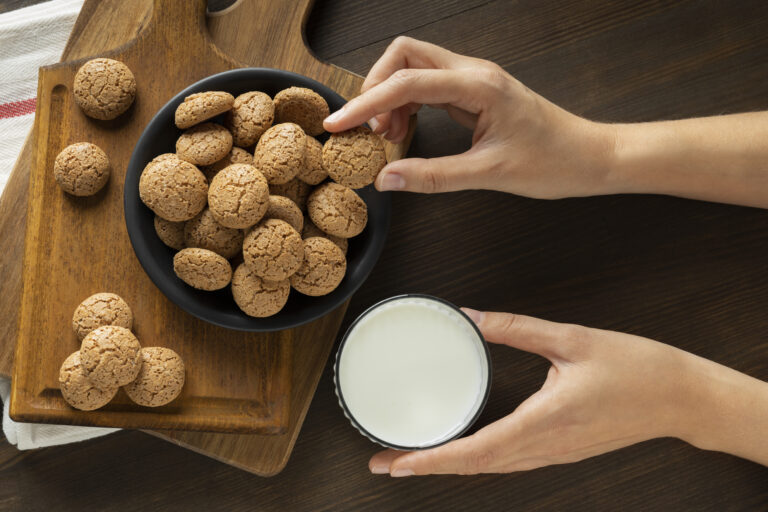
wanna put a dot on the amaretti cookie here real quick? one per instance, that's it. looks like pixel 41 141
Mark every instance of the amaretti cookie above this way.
pixel 295 190
pixel 202 106
pixel 238 196
pixel 311 230
pixel 353 158
pixel 81 169
pixel 104 88
pixel 322 270
pixel 258 297
pixel 204 144
pixel 279 155
pixel 252 113
pixel 202 269
pixel 205 232
pixel 301 106
pixel 78 390
pixel 236 156
pixel 172 188
pixel 110 356
pixel 160 379
pixel 280 207
pixel 273 250
pixel 98 310
pixel 337 210
pixel 313 171
pixel 170 233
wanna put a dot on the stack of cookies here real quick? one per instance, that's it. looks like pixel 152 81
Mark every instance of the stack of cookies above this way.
pixel 252 193
pixel 111 357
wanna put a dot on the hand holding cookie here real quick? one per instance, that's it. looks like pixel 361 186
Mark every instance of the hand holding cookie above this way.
pixel 522 143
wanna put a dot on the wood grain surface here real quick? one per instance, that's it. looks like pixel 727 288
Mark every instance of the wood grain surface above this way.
pixel 687 273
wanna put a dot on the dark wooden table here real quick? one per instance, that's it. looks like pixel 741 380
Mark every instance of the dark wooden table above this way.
pixel 688 273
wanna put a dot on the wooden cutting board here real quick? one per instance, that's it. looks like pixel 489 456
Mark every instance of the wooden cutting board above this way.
pixel 277 21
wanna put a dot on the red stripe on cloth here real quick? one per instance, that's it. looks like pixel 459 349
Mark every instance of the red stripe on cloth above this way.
pixel 17 108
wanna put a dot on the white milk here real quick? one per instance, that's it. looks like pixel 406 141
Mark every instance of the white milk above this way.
pixel 413 372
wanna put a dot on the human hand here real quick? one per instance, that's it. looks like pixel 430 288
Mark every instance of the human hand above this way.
pixel 605 390
pixel 522 143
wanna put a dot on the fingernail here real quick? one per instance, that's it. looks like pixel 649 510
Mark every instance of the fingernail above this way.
pixel 474 315
pixel 392 181
pixel 380 470
pixel 401 472
pixel 336 116
pixel 373 123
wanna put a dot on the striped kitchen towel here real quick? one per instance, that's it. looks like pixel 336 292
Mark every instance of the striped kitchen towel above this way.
pixel 29 38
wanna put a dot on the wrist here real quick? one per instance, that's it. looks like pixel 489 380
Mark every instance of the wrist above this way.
pixel 624 163
pixel 724 410
pixel 603 146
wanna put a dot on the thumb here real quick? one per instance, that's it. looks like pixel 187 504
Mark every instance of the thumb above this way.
pixel 431 175
pixel 466 456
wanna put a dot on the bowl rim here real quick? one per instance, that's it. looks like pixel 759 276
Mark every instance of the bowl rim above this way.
pixel 340 394
pixel 143 252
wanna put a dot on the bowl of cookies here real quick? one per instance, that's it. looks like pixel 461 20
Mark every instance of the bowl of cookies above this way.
pixel 244 212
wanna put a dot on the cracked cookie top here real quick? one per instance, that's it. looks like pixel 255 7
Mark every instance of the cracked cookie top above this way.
pixel 238 196
pixel 202 106
pixel 353 158
pixel 279 155
pixel 81 169
pixel 77 390
pixel 258 297
pixel 302 106
pixel 172 188
pixel 160 379
pixel 204 144
pixel 252 113
pixel 104 88
pixel 202 269
pixel 337 210
pixel 322 270
pixel 98 310
pixel 110 356
pixel 273 250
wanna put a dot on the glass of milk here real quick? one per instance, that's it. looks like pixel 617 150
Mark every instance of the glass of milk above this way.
pixel 412 372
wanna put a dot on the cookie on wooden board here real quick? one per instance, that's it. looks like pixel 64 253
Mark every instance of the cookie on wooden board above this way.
pixel 104 88
pixel 77 390
pixel 160 379
pixel 98 310
pixel 81 169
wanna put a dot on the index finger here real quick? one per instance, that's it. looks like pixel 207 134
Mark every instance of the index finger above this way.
pixel 405 52
pixel 424 86
pixel 549 339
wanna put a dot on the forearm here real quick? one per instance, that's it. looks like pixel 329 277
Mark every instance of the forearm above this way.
pixel 728 411
pixel 722 159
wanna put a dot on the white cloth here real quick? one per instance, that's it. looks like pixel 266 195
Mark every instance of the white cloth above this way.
pixel 29 38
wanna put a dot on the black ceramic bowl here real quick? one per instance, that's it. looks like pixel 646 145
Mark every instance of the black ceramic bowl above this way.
pixel 219 307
